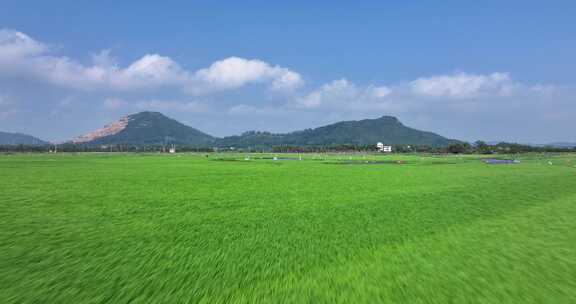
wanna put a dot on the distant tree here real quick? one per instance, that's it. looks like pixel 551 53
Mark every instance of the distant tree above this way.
pixel 457 148
pixel 482 147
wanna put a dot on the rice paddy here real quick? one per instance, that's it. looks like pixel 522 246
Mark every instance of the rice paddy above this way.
pixel 304 228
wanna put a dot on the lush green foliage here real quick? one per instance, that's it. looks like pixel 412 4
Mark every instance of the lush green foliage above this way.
pixel 339 228
pixel 386 129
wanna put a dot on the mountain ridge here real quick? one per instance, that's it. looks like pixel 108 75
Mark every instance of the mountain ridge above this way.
pixel 386 129
pixel 155 128
pixel 9 138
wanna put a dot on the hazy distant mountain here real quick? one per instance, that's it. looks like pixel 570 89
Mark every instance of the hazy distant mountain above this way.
pixel 146 128
pixel 554 144
pixel 562 144
pixel 386 129
pixel 20 139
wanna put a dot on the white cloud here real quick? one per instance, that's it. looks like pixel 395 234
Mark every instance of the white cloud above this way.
pixel 464 85
pixel 459 91
pixel 343 93
pixel 172 105
pixel 452 89
pixel 381 92
pixel 234 72
pixel 153 69
pixel 545 90
pixel 114 103
pixel 243 109
pixel 22 56
pixel 334 91
pixel 104 58
pixel 14 44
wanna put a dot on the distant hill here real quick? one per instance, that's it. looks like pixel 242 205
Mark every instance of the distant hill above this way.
pixel 386 129
pixel 553 144
pixel 20 139
pixel 146 128
pixel 562 145
pixel 153 128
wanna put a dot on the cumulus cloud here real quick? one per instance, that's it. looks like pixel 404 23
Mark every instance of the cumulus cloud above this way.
pixel 458 90
pixel 235 72
pixel 380 92
pixel 464 85
pixel 22 56
pixel 343 93
pixel 15 44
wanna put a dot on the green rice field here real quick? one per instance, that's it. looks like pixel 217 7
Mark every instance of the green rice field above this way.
pixel 311 228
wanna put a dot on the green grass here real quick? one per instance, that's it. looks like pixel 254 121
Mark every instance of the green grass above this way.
pixel 332 228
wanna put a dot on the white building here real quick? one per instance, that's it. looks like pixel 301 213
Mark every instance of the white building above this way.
pixel 382 148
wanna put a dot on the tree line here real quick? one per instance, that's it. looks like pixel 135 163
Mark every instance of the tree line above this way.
pixel 478 147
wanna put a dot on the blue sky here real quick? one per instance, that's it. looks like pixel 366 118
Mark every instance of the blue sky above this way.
pixel 486 70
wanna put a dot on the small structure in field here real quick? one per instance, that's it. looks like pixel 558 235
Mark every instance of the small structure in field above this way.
pixel 382 148
pixel 172 149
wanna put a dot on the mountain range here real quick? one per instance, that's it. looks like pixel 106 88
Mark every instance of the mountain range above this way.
pixel 154 128
pixel 562 145
pixel 20 139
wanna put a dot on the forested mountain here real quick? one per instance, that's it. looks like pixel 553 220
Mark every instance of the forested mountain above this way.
pixel 153 128
pixel 386 129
